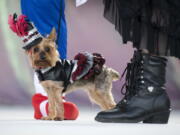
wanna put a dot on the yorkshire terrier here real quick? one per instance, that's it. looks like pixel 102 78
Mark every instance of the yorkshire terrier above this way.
pixel 55 75
pixel 45 55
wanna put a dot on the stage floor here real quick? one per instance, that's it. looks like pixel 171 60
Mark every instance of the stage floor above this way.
pixel 19 121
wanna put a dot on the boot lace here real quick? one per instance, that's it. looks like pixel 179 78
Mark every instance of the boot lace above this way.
pixel 129 88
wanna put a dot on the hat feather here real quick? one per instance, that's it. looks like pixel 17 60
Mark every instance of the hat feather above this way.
pixel 18 25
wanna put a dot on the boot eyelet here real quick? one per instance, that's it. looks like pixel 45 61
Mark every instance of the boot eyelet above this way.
pixel 142 82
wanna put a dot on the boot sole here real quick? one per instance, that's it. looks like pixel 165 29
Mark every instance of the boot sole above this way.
pixel 155 118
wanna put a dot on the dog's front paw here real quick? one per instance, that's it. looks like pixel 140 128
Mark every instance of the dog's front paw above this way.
pixel 46 118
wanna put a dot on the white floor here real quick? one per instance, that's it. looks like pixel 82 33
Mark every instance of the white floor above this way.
pixel 19 121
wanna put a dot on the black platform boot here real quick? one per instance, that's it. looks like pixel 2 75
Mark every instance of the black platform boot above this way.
pixel 145 98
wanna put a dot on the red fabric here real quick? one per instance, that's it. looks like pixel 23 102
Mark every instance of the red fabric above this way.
pixel 18 25
pixel 98 62
pixel 71 111
pixel 81 63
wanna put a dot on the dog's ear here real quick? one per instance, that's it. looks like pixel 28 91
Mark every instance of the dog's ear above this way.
pixel 52 35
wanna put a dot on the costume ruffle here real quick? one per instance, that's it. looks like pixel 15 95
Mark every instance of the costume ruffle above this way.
pixel 150 24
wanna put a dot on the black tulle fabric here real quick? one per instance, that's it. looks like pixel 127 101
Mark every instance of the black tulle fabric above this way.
pixel 150 24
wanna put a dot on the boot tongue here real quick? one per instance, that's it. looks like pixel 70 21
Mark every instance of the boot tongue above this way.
pixel 129 85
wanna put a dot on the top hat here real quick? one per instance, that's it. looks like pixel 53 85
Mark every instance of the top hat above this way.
pixel 25 29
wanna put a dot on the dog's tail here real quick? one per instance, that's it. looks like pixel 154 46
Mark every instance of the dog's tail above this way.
pixel 115 75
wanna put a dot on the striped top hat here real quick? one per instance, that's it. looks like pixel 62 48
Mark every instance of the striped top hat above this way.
pixel 25 29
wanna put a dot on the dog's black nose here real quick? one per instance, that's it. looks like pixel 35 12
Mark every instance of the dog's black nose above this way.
pixel 42 56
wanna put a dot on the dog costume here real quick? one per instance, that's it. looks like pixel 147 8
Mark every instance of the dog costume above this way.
pixel 84 65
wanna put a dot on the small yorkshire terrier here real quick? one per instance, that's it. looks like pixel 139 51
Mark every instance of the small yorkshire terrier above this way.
pixel 56 75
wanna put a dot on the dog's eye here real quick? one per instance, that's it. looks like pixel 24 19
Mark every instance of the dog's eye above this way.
pixel 36 49
pixel 47 49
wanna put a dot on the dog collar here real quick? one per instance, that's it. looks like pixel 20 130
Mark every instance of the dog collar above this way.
pixel 44 70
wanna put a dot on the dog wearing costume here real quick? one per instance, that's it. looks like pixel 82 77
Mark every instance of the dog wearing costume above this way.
pixel 57 76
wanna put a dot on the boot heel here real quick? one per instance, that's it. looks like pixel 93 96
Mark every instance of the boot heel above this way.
pixel 161 118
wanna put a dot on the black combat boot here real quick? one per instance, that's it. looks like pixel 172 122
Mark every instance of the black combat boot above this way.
pixel 145 98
